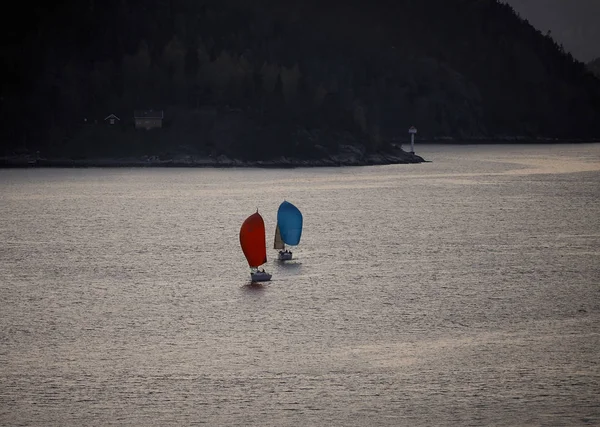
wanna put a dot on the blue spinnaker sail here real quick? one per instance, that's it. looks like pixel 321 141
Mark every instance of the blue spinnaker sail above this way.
pixel 289 220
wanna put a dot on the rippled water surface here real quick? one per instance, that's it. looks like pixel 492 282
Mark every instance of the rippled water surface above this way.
pixel 461 292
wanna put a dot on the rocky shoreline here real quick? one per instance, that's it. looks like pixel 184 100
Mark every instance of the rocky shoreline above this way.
pixel 349 158
pixel 348 155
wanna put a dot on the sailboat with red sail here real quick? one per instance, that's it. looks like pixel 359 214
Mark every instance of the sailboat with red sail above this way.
pixel 253 243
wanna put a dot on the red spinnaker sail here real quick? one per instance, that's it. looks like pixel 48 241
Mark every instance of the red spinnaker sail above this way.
pixel 252 240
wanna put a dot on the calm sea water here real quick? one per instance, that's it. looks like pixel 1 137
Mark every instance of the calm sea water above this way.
pixel 461 292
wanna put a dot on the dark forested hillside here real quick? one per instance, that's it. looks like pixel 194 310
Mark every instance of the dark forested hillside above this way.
pixel 269 78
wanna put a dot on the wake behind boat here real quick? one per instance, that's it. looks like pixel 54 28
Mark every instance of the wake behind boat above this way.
pixel 288 230
pixel 253 243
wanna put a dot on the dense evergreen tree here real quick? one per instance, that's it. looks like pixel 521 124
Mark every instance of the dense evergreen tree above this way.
pixel 239 77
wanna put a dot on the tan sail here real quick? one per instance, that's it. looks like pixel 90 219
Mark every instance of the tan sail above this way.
pixel 278 243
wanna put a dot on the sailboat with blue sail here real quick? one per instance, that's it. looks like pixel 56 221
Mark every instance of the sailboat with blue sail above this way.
pixel 288 230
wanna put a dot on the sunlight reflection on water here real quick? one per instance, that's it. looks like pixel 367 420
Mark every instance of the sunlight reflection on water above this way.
pixel 458 292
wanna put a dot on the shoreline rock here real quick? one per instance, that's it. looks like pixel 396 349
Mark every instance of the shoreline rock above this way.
pixel 222 161
pixel 230 163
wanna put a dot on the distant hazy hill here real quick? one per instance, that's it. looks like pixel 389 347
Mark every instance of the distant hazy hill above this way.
pixel 573 23
pixel 269 78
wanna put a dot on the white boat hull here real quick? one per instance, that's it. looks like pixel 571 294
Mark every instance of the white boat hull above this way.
pixel 260 276
pixel 284 256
